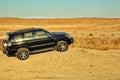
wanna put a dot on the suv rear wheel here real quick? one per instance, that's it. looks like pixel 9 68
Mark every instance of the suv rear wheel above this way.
pixel 62 46
pixel 22 53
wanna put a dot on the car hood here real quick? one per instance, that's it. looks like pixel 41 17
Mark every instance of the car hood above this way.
pixel 59 33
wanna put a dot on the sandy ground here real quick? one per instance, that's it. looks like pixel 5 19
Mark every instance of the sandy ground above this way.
pixel 95 54
pixel 75 64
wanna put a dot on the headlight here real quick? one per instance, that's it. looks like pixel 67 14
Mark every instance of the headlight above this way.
pixel 68 36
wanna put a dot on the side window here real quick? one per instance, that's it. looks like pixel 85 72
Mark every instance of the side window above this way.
pixel 28 36
pixel 41 34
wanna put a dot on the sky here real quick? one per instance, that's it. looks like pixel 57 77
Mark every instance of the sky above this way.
pixel 59 8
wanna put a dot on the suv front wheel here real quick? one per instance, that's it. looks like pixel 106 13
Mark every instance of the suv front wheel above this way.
pixel 22 53
pixel 62 46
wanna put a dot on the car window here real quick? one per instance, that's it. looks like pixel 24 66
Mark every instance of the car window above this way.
pixel 28 36
pixel 41 34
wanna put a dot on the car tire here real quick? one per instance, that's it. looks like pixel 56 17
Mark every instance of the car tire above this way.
pixel 22 53
pixel 62 46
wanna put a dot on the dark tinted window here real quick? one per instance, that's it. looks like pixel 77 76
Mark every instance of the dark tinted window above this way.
pixel 10 38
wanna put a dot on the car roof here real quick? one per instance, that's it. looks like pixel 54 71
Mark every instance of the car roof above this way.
pixel 24 30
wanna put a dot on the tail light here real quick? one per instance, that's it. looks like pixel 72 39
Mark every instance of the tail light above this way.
pixel 8 43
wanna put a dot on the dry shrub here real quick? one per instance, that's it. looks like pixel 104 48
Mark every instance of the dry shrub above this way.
pixel 90 34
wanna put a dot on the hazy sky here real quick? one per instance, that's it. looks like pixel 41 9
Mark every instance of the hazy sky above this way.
pixel 59 8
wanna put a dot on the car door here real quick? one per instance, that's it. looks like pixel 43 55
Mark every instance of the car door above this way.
pixel 43 40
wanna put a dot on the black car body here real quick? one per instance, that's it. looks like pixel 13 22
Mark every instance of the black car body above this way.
pixel 23 42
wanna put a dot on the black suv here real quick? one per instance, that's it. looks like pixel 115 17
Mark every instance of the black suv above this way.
pixel 21 43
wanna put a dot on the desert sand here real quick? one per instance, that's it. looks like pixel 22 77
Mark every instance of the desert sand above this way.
pixel 95 54
pixel 75 64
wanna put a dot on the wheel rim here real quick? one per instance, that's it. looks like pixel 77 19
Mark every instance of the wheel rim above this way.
pixel 23 54
pixel 63 46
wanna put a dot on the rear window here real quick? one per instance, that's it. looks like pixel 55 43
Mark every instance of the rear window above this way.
pixel 18 37
pixel 10 38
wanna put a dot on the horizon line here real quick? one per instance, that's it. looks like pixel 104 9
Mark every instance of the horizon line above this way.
pixel 56 17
